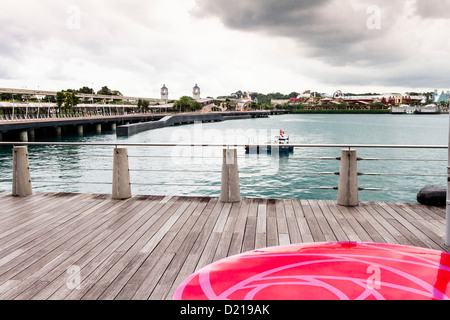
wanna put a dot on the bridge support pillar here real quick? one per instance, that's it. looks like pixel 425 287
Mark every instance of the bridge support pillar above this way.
pixel 21 182
pixel 80 129
pixel 58 131
pixel 113 126
pixel 32 134
pixel 348 179
pixel 98 128
pixel 1 136
pixel 121 187
pixel 230 189
pixel 23 136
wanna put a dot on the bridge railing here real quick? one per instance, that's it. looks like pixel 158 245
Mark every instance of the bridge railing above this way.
pixel 225 168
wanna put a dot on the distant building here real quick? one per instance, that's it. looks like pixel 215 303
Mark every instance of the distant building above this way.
pixel 443 98
pixel 279 102
pixel 196 92
pixel 164 93
pixel 435 96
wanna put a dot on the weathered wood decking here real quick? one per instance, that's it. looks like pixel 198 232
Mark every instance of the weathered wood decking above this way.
pixel 144 247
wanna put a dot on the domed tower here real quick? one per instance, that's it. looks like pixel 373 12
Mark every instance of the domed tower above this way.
pixel 164 93
pixel 196 92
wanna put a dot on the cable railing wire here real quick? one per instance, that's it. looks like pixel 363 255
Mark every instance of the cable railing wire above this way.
pixel 247 156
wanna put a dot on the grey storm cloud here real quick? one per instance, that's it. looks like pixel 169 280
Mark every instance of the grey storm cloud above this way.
pixel 320 25
pixel 337 33
pixel 433 8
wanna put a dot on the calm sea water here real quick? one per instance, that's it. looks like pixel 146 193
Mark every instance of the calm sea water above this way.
pixel 196 171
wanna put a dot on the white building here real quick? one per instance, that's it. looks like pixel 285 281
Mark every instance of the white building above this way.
pixel 164 93
pixel 196 92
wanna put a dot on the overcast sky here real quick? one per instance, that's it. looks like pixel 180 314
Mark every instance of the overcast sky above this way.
pixel 226 45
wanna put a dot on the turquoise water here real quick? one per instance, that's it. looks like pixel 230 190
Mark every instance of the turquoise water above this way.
pixel 196 171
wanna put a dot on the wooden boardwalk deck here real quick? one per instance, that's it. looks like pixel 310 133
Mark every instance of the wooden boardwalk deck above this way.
pixel 144 247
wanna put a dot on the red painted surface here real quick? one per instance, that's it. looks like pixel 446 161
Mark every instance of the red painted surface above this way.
pixel 324 271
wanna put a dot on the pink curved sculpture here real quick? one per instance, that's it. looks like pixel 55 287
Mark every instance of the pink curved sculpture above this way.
pixel 324 271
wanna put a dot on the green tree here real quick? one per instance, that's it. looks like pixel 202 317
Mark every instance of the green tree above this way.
pixel 105 91
pixel 86 90
pixel 60 98
pixel 70 100
pixel 143 105
pixel 186 104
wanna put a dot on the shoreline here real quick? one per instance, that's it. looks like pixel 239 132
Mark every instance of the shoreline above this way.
pixel 341 111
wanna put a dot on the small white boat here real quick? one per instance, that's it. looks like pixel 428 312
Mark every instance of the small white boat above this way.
pixel 281 141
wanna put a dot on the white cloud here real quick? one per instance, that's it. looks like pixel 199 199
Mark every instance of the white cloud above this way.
pixel 224 46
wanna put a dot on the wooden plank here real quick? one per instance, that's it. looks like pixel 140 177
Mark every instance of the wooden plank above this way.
pixel 80 258
pixel 421 231
pixel 322 221
pixel 405 227
pixel 105 247
pixel 146 289
pixel 261 226
pixel 212 212
pixel 249 235
pixel 121 258
pixel 350 233
pixel 353 222
pixel 272 230
pixel 144 247
pixel 227 231
pixel 313 225
pixel 366 225
pixel 302 223
pixel 397 237
pixel 32 219
pixel 239 229
pixel 139 249
pixel 164 228
pixel 193 218
pixel 380 234
pixel 291 220
pixel 35 249
pixel 64 265
pixel 429 213
pixel 132 288
pixel 209 239
pixel 132 260
pixel 282 225
pixel 335 228
pixel 249 240
pixel 170 274
pixel 156 216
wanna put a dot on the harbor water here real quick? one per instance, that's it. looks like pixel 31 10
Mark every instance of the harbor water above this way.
pixel 195 171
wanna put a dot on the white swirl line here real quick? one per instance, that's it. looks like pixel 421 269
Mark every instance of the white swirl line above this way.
pixel 204 278
pixel 359 281
pixel 208 288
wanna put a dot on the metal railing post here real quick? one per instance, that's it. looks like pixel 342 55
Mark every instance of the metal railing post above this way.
pixel 348 179
pixel 21 182
pixel 230 189
pixel 121 187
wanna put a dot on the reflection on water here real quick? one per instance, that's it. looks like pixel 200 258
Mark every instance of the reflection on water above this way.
pixel 80 168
